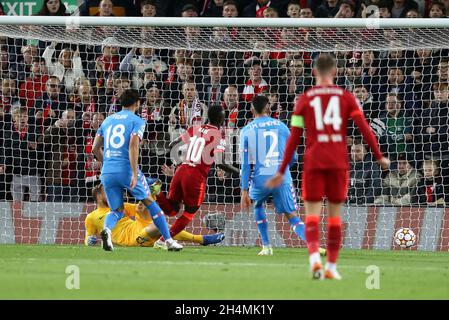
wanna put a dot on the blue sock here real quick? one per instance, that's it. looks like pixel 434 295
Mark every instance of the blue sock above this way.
pixel 112 218
pixel 262 223
pixel 159 220
pixel 298 227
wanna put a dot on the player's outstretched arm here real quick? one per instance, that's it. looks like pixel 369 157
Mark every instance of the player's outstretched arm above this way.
pixel 97 149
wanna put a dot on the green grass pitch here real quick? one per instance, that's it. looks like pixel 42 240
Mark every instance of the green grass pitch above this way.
pixel 39 272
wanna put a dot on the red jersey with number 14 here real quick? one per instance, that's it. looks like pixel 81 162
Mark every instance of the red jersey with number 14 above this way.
pixel 326 111
pixel 203 142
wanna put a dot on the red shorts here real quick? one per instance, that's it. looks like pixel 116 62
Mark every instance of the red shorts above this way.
pixel 187 186
pixel 330 183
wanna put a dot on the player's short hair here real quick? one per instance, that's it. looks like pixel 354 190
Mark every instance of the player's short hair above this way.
pixel 325 63
pixel 259 103
pixel 215 114
pixel 129 97
pixel 97 190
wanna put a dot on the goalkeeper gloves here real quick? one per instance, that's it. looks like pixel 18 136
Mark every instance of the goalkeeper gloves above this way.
pixel 92 240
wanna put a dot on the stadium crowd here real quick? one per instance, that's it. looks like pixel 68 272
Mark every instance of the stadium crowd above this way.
pixel 54 97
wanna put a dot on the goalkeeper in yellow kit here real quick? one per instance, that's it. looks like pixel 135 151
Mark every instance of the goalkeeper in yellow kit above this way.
pixel 136 228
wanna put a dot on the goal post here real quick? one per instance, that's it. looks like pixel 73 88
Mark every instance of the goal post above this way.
pixel 64 75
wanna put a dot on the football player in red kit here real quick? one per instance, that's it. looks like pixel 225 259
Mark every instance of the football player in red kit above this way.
pixel 324 111
pixel 205 146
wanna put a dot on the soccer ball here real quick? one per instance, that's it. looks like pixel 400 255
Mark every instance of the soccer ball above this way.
pixel 405 238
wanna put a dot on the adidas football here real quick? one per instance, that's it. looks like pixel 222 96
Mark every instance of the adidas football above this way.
pixel 405 238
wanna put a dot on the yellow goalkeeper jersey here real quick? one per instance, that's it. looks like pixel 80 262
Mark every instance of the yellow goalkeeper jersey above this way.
pixel 128 230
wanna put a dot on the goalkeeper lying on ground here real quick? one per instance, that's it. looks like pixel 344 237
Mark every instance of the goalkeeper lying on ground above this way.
pixel 136 228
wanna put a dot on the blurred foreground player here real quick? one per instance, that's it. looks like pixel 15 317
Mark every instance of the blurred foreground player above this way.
pixel 324 111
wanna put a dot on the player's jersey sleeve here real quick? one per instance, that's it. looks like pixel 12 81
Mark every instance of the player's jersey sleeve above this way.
pixel 299 112
pixel 138 127
pixel 89 225
pixel 245 170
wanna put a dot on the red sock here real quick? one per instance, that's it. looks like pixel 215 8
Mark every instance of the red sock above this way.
pixel 312 233
pixel 165 205
pixel 333 238
pixel 181 223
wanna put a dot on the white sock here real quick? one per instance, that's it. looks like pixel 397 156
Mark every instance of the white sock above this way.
pixel 331 266
pixel 314 258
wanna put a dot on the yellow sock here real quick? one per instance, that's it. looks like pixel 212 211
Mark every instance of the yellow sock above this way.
pixel 187 236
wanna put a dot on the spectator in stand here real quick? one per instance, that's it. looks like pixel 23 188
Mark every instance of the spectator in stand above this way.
pixel 173 89
pixel 433 130
pixel 148 8
pixel 257 8
pixel 5 68
pixel 108 8
pixel 446 7
pixel 255 84
pixel 393 127
pixel 346 10
pixel 108 62
pixel 394 82
pixel 212 88
pixel 34 86
pixel 437 10
pixel 293 9
pixel 189 11
pixel 353 74
pixel 189 111
pixel 89 169
pixel 21 154
pixel 23 66
pixel 105 94
pixel 384 9
pixel 371 70
pixel 5 126
pixel 120 85
pixel 443 71
pixel 61 159
pixel 328 9
pixel 53 8
pixel 270 13
pixel 84 106
pixel 399 186
pixel 400 8
pixel 365 176
pixel 413 13
pixel 50 107
pixel 230 9
pixel 297 80
pixel 137 64
pixel 212 8
pixel 236 116
pixel 430 190
pixel 9 98
pixel 67 68
pixel 306 13
pixel 156 138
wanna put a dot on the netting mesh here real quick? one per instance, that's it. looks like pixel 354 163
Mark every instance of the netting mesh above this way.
pixel 59 83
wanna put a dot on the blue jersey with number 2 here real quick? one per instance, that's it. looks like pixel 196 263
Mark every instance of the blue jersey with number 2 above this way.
pixel 117 130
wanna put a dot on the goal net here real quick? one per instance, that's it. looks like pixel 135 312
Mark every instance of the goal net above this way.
pixel 61 76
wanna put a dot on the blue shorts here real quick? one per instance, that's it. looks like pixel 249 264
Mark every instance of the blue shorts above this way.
pixel 115 184
pixel 284 197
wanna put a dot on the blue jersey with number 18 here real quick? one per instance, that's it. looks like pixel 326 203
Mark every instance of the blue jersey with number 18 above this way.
pixel 116 131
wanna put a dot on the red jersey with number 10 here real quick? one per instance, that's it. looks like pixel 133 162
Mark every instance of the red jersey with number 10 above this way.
pixel 325 112
pixel 203 142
